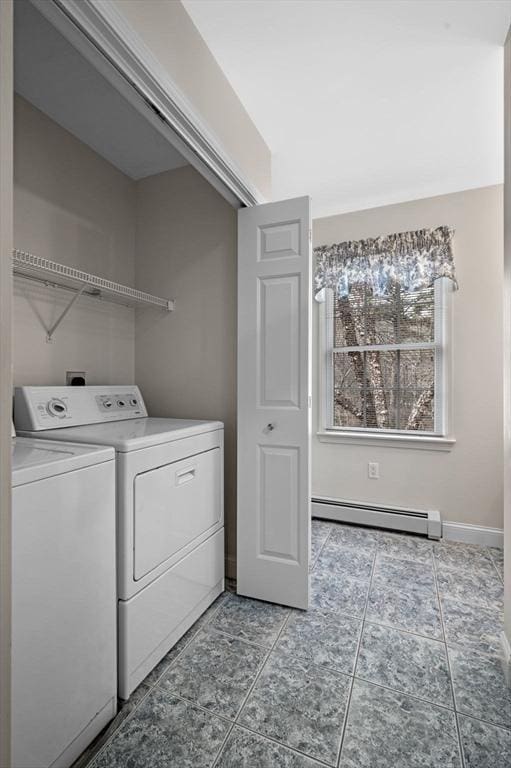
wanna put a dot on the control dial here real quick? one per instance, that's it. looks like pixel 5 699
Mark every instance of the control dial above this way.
pixel 56 407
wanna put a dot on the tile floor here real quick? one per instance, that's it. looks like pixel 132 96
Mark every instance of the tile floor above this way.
pixel 394 666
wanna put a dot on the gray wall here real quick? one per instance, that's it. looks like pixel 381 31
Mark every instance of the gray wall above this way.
pixel 6 243
pixel 185 362
pixel 170 234
pixel 73 207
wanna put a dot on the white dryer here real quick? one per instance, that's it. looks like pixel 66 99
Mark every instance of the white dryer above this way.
pixel 64 682
pixel 170 512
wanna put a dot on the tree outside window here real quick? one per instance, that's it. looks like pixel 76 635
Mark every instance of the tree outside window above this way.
pixel 384 358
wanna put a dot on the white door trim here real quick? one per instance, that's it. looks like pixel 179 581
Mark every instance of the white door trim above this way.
pixel 149 88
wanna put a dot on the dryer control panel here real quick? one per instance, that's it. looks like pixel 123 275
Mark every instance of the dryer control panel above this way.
pixel 37 408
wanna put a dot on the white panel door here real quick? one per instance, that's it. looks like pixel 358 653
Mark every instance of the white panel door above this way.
pixel 274 306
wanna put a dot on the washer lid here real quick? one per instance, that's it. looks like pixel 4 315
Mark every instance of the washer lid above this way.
pixel 133 434
pixel 38 459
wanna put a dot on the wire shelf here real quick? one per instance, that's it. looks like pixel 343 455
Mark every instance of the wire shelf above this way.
pixel 59 275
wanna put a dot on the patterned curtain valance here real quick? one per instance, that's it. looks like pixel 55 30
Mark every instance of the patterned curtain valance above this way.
pixel 414 260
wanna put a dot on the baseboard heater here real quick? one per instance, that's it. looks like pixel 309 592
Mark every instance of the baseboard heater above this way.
pixel 427 523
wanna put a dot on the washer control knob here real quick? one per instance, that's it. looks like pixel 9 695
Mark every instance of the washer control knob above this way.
pixel 121 403
pixel 57 408
pixel 133 401
pixel 107 403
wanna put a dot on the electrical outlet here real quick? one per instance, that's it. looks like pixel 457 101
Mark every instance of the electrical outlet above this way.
pixel 373 470
pixel 76 378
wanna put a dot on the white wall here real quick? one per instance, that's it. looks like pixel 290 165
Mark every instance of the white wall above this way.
pixel 186 360
pixel 465 484
pixel 73 207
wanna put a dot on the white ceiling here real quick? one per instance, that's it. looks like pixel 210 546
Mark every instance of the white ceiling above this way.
pixel 56 79
pixel 367 103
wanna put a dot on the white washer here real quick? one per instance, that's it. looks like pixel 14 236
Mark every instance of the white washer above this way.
pixel 170 512
pixel 64 686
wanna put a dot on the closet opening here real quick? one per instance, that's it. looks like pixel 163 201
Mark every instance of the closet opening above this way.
pixel 125 281
pixel 100 188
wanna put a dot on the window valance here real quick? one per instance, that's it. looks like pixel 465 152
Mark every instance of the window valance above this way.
pixel 413 260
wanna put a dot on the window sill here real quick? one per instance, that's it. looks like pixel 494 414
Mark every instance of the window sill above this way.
pixel 416 442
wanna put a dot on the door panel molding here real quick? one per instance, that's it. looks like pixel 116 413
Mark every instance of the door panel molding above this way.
pixel 279 241
pixel 279 535
pixel 278 331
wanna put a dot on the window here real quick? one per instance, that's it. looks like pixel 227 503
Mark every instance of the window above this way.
pixel 384 359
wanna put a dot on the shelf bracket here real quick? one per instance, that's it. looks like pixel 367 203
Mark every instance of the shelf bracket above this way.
pixel 51 331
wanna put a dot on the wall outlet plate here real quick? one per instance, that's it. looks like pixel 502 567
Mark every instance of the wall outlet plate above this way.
pixel 76 378
pixel 373 470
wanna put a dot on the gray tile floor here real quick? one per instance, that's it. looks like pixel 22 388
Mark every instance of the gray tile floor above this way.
pixel 394 666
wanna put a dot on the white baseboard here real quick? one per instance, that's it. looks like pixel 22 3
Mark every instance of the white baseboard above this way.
pixel 506 656
pixel 473 534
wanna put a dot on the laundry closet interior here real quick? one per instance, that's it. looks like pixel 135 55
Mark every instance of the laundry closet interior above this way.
pixel 99 188
pixel 125 280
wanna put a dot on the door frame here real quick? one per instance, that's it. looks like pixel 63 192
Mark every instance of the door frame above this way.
pixel 101 34
pixel 506 633
pixel 6 242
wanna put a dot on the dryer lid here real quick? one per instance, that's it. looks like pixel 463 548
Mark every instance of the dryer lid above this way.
pixel 132 435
